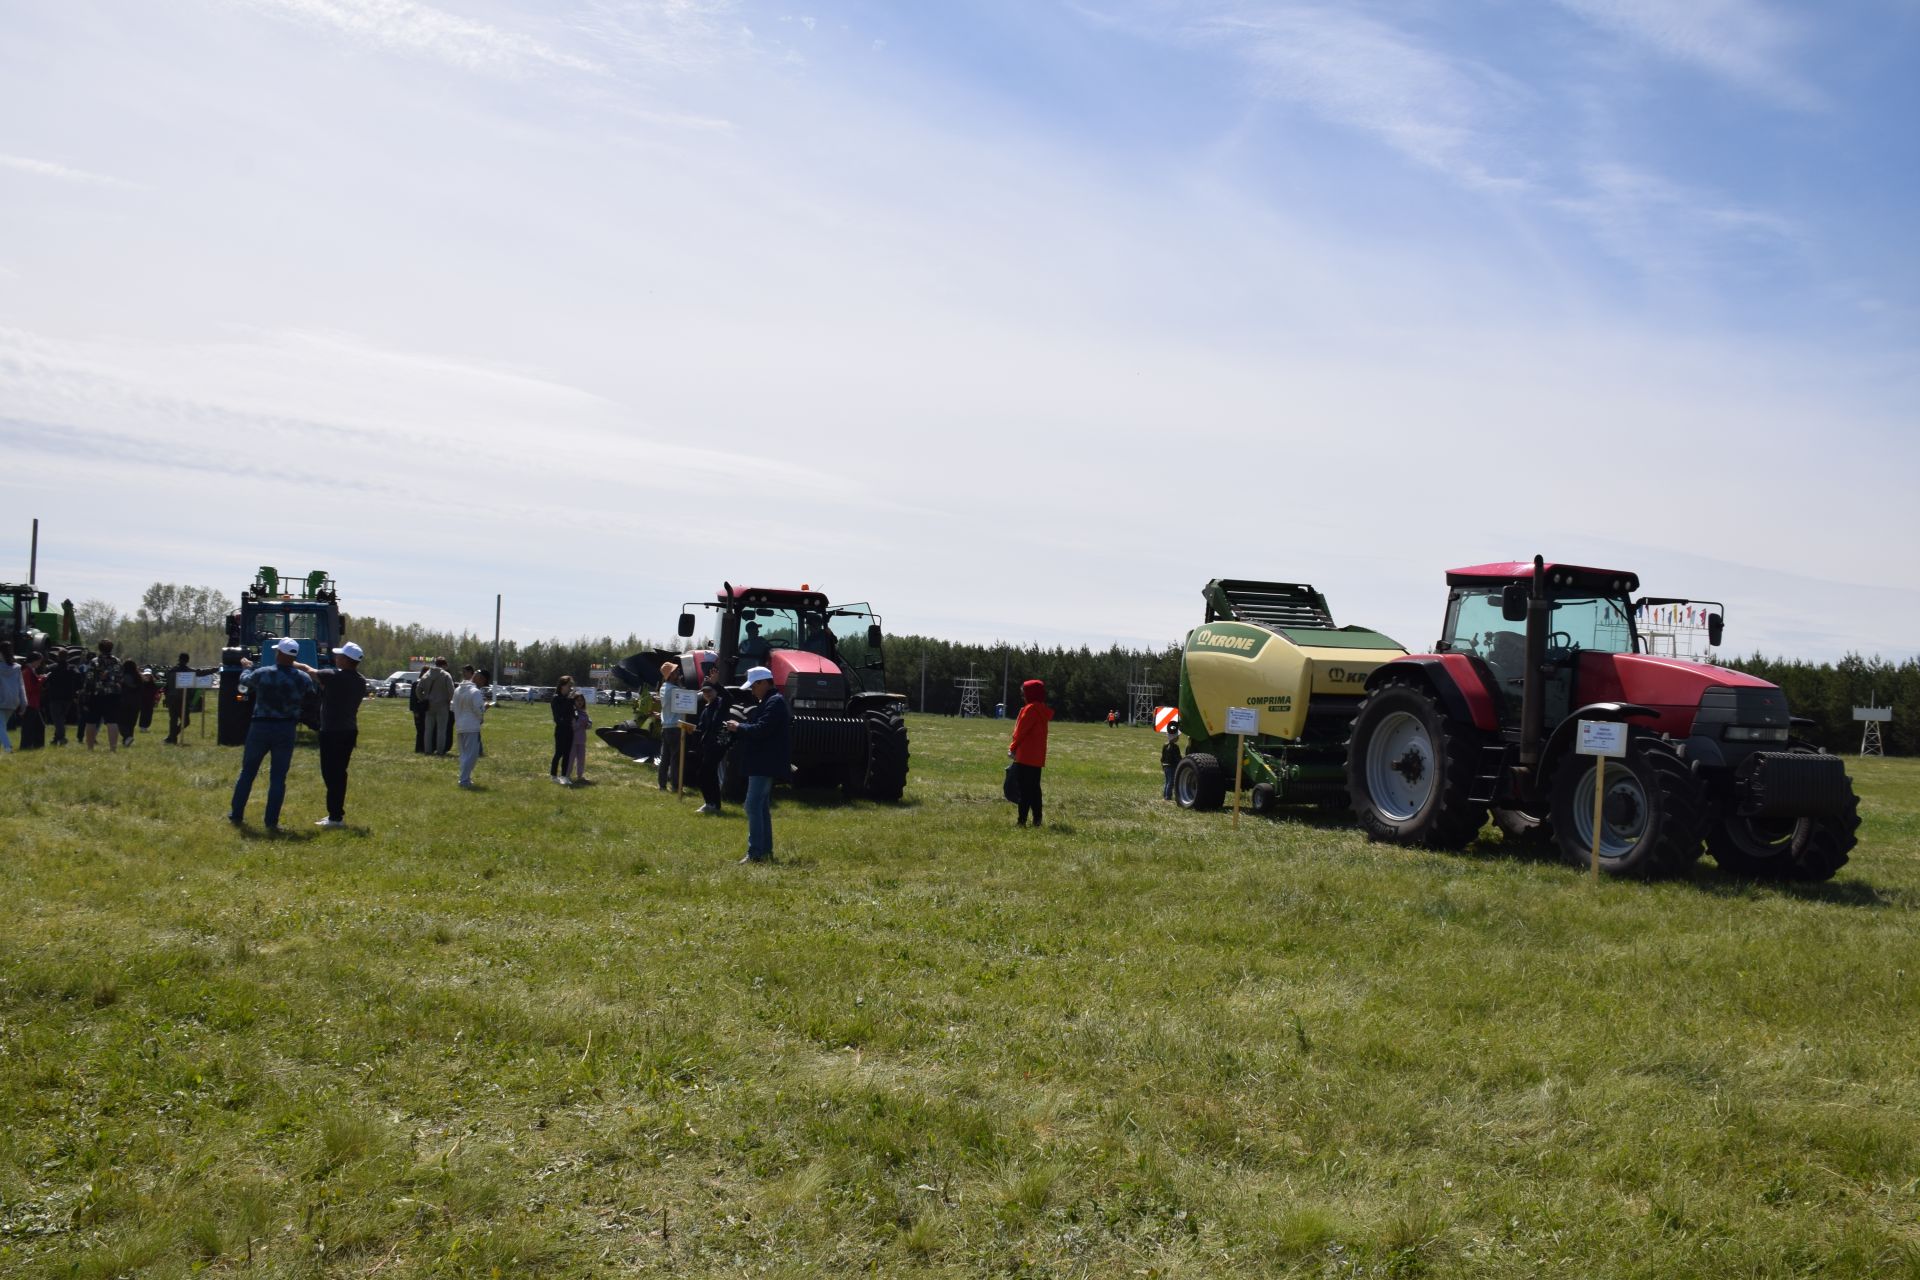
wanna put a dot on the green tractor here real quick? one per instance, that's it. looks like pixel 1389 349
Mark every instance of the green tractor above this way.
pixel 1272 648
pixel 29 624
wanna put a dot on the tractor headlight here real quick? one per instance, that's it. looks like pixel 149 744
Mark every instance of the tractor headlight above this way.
pixel 1755 733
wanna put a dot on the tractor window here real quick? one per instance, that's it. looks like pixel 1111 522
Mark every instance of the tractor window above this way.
pixel 860 661
pixel 1475 625
pixel 268 625
pixel 1596 624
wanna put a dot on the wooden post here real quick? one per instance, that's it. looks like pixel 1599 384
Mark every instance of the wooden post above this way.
pixel 1599 804
pixel 1239 771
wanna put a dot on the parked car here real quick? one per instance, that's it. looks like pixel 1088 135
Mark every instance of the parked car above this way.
pixel 400 684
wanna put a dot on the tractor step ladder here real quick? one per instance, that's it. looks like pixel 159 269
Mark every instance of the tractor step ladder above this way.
pixel 1486 776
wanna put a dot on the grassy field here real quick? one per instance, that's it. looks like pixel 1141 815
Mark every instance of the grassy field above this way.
pixel 525 1030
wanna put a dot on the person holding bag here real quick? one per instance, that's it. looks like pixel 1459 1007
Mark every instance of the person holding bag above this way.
pixel 1028 750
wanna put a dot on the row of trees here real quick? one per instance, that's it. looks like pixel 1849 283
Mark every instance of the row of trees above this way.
pixel 1082 683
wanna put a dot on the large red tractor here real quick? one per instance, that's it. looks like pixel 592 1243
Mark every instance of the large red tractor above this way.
pixel 1487 724
pixel 848 731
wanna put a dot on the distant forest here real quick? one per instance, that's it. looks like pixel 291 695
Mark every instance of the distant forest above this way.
pixel 1082 683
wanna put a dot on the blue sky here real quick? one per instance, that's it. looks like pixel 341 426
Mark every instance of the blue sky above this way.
pixel 1020 319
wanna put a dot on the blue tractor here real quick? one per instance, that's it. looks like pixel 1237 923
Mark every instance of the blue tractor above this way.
pixel 308 609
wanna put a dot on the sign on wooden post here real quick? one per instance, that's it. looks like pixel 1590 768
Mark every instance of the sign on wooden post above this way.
pixel 1241 722
pixel 1601 739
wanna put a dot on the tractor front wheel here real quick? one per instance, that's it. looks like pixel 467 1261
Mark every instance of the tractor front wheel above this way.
pixel 1199 782
pixel 1804 849
pixel 1410 771
pixel 1651 813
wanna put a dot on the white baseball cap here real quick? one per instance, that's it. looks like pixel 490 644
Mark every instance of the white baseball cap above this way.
pixel 349 650
pixel 287 645
pixel 756 674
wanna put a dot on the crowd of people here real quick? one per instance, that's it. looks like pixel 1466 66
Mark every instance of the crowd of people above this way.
pixel 69 687
pixel 62 690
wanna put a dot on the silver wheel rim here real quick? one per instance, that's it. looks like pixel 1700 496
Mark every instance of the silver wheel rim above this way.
pixel 1185 786
pixel 1401 767
pixel 1625 819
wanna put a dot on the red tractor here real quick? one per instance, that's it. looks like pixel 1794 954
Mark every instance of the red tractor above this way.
pixel 848 731
pixel 1487 724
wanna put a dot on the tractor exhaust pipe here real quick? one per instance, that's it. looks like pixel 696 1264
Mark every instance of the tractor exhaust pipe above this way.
pixel 1533 694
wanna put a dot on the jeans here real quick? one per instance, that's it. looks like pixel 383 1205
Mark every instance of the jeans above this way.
pixel 707 770
pixel 59 711
pixel 6 743
pixel 336 752
pixel 33 734
pixel 670 757
pixel 436 739
pixel 265 737
pixel 759 808
pixel 1166 788
pixel 469 754
pixel 562 749
pixel 419 731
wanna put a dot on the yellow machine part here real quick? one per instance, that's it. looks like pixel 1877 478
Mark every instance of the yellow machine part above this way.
pixel 1234 664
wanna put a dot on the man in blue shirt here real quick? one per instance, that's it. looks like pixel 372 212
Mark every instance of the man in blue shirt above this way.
pixel 766 753
pixel 277 693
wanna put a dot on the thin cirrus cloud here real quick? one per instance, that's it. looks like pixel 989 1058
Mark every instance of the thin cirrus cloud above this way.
pixel 405 26
pixel 1741 41
pixel 60 172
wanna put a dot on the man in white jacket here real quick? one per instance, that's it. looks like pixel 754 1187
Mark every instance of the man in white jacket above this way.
pixel 469 713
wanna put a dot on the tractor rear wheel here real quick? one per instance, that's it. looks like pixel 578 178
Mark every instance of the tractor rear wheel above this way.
pixel 1199 782
pixel 1804 849
pixel 1652 815
pixel 1410 770
pixel 886 773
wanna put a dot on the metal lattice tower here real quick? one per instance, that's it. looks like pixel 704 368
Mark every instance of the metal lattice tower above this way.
pixel 970 687
pixel 1141 700
pixel 1871 718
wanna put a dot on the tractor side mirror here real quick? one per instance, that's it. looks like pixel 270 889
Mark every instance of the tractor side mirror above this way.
pixel 1513 602
pixel 686 625
pixel 1716 627
pixel 873 636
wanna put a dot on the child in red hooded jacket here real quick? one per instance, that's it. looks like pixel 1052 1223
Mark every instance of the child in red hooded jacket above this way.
pixel 1028 750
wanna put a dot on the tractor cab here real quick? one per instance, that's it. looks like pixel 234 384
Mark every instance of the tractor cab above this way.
pixel 273 608
pixel 1592 613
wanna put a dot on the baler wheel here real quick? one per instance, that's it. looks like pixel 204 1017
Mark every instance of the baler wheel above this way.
pixel 1804 849
pixel 1652 818
pixel 887 756
pixel 1199 782
pixel 1410 770
pixel 1263 799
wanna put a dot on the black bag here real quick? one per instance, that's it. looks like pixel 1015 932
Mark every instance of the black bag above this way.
pixel 1011 787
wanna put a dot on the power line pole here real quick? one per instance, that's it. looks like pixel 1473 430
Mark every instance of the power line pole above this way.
pixel 496 636
pixel 923 679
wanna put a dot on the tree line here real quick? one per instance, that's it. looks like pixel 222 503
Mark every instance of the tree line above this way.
pixel 1082 683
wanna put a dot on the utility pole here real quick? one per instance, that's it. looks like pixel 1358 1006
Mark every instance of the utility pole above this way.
pixel 923 680
pixel 496 636
pixel 1006 670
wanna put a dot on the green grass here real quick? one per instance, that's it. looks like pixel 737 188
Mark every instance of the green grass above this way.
pixel 532 1031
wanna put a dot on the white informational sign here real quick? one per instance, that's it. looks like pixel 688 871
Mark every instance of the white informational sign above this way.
pixel 188 680
pixel 1878 715
pixel 1243 720
pixel 1602 738
pixel 684 702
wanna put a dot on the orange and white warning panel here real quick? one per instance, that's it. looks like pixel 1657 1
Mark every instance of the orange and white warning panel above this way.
pixel 1164 716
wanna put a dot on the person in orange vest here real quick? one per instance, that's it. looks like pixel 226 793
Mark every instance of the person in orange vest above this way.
pixel 1028 750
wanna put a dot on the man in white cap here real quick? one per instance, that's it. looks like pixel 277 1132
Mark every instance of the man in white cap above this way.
pixel 342 690
pixel 766 753
pixel 277 693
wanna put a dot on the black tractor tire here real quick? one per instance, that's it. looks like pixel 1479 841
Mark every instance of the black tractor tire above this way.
pixel 1199 782
pixel 1522 827
pixel 887 756
pixel 1800 849
pixel 1263 799
pixel 1655 812
pixel 1410 770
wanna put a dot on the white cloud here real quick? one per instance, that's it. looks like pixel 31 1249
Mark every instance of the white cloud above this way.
pixel 1666 230
pixel 59 172
pixel 1742 41
pixel 405 26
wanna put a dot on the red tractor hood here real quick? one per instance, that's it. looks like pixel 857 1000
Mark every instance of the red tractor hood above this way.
pixel 787 662
pixel 1671 686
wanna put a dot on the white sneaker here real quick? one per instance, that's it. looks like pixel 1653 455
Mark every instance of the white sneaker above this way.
pixel 706 808
pixel 554 777
pixel 329 823
pixel 563 782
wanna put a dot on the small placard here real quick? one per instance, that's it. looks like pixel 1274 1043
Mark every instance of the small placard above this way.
pixel 1602 738
pixel 1243 720
pixel 188 680
pixel 684 702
